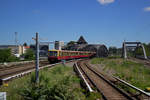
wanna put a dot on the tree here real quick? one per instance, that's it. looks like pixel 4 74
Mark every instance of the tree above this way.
pixel 71 43
pixel 112 50
pixel 6 56
pixel 25 44
pixel 139 51
pixel 29 55
pixel 148 45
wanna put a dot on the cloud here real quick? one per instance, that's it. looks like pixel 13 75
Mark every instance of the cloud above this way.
pixel 103 2
pixel 147 9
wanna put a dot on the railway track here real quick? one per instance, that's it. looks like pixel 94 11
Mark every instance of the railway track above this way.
pixel 20 65
pixel 8 74
pixel 20 70
pixel 143 61
pixel 107 89
pixel 11 70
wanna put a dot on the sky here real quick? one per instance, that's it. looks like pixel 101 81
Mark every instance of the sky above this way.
pixel 108 22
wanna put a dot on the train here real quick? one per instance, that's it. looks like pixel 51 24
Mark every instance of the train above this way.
pixel 58 55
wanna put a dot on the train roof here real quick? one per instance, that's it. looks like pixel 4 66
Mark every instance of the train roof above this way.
pixel 72 51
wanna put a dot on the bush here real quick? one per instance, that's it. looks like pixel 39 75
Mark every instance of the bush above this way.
pixel 12 59
pixel 61 90
pixel 29 55
pixel 5 56
pixel 139 51
pixel 46 91
pixel 33 90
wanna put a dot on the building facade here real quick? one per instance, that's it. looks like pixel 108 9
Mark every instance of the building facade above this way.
pixel 81 45
pixel 59 45
pixel 16 50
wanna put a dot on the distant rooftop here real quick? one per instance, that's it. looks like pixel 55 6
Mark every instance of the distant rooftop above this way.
pixel 81 40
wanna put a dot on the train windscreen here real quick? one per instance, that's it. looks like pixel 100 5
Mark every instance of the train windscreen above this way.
pixel 52 53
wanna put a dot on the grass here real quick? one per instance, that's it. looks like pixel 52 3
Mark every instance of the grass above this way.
pixel 13 87
pixel 58 82
pixel 135 73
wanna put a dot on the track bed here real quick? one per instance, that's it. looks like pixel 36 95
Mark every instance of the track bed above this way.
pixel 108 90
pixel 12 70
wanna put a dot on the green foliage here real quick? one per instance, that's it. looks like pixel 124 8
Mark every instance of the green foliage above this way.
pixel 61 90
pixel 5 56
pixel 34 91
pixel 55 84
pixel 25 44
pixel 29 55
pixel 139 51
pixel 71 43
pixel 113 57
pixel 93 96
pixel 113 50
pixel 97 60
pixel 12 58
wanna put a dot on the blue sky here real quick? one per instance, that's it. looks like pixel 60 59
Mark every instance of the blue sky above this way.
pixel 107 22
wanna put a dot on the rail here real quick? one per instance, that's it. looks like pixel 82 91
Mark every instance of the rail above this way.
pixel 88 86
pixel 125 83
pixel 133 87
pixel 23 73
pixel 17 63
pixel 102 85
pixel 28 71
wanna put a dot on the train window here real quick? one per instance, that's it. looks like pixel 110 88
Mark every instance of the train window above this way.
pixel 68 53
pixel 53 53
pixel 74 53
pixel 64 54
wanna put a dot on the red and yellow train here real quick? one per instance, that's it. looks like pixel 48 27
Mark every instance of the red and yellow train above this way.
pixel 58 55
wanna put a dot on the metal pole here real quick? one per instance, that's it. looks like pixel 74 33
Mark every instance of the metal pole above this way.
pixel 16 42
pixel 37 59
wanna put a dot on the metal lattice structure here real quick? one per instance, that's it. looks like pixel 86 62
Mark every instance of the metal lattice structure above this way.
pixel 133 46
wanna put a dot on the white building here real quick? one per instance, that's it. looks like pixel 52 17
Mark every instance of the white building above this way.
pixel 16 50
pixel 59 45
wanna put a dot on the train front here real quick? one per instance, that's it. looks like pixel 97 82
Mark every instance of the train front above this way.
pixel 53 56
